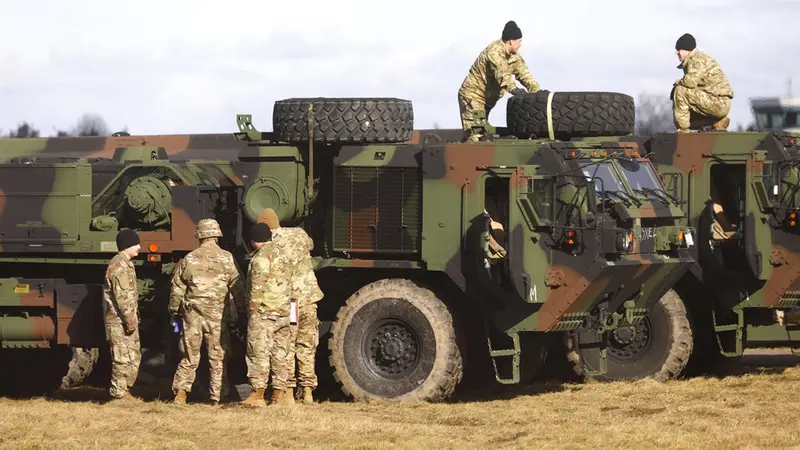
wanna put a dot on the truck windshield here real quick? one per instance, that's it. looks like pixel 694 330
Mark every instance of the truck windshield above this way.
pixel 603 171
pixel 642 179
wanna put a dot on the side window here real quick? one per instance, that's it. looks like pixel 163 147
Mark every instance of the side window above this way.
pixel 543 198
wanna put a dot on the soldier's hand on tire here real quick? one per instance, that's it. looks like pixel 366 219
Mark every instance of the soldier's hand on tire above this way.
pixel 518 91
pixel 543 91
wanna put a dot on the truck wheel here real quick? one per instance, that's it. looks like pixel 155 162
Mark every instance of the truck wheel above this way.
pixel 344 120
pixel 394 340
pixel 659 347
pixel 575 114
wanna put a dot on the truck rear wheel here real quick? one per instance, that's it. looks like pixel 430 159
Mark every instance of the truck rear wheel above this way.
pixel 658 347
pixel 394 340
pixel 344 120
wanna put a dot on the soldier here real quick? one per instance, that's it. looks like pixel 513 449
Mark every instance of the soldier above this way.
pixel 306 292
pixel 702 98
pixel 269 289
pixel 200 286
pixel 121 314
pixel 490 77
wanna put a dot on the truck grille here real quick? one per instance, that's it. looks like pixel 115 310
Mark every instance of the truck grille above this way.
pixel 377 209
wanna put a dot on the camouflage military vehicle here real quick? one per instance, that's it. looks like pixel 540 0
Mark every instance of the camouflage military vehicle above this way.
pixel 739 191
pixel 426 248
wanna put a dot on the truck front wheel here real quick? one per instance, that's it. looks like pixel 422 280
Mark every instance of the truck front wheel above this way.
pixel 658 347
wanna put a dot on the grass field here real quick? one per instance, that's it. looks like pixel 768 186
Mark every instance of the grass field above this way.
pixel 757 406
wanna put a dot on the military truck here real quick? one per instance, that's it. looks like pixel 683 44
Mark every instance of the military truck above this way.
pixel 427 248
pixel 739 191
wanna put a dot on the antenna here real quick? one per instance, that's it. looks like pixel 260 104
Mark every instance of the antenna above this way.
pixel 789 86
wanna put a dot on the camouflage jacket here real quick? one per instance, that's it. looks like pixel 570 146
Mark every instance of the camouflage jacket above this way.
pixel 203 281
pixel 297 244
pixel 703 72
pixel 491 74
pixel 269 281
pixel 120 295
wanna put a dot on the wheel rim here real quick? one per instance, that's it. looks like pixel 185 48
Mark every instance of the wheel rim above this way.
pixel 630 343
pixel 391 348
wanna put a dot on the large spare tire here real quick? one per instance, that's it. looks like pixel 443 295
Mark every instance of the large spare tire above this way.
pixel 345 120
pixel 574 114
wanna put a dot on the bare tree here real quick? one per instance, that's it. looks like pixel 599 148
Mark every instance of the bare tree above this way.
pixel 90 125
pixel 653 114
pixel 24 130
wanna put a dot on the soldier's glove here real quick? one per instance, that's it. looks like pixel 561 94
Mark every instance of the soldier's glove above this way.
pixel 518 91
pixel 543 91
pixel 672 93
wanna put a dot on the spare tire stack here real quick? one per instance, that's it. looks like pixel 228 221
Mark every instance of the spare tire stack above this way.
pixel 344 120
pixel 574 114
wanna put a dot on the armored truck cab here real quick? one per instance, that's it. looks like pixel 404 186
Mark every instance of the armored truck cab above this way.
pixel 740 194
pixel 426 247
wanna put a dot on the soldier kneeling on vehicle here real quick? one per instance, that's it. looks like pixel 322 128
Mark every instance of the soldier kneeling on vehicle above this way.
pixel 702 97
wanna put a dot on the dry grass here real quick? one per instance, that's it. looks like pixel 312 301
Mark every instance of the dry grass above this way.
pixel 756 410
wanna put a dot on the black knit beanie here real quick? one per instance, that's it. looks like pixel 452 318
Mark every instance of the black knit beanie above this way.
pixel 686 42
pixel 126 239
pixel 260 233
pixel 511 31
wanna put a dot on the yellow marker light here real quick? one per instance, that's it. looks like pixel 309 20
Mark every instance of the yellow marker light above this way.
pixel 153 247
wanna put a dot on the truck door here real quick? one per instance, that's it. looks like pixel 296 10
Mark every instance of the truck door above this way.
pixel 532 206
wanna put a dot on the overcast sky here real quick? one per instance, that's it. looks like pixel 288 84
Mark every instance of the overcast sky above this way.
pixel 178 66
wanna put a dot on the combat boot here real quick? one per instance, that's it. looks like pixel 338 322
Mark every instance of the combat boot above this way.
pixel 722 125
pixel 256 398
pixel 308 398
pixel 180 397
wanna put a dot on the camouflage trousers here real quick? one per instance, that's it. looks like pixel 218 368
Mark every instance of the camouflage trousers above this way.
pixel 303 341
pixel 126 355
pixel 694 108
pixel 196 330
pixel 467 106
pixel 267 342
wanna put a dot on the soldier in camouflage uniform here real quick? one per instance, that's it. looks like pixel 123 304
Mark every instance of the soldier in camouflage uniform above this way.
pixel 201 285
pixel 306 292
pixel 490 77
pixel 121 314
pixel 269 289
pixel 702 98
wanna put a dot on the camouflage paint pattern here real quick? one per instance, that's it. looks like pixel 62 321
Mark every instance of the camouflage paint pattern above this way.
pixel 759 266
pixel 416 206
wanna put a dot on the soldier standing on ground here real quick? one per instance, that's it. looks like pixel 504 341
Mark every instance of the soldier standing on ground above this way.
pixel 200 286
pixel 702 98
pixel 121 315
pixel 306 292
pixel 490 77
pixel 268 289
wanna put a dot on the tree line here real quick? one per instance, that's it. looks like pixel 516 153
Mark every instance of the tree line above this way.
pixel 87 125
pixel 653 115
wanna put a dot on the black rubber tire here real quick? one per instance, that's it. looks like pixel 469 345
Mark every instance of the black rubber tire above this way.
pixel 575 114
pixel 344 120
pixel 665 356
pixel 437 366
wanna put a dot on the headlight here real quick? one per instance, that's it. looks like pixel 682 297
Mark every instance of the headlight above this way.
pixel 625 241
